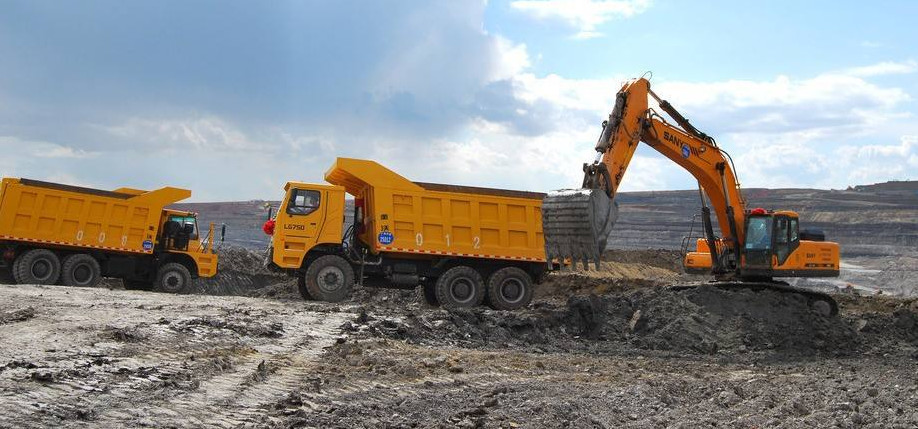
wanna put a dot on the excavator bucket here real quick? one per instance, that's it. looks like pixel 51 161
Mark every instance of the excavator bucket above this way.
pixel 576 224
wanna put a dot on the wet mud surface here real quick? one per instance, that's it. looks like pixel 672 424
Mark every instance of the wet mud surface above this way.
pixel 602 349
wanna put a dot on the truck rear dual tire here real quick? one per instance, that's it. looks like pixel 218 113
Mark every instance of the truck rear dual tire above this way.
pixel 509 288
pixel 37 266
pixel 329 278
pixel 460 287
pixel 80 270
pixel 172 278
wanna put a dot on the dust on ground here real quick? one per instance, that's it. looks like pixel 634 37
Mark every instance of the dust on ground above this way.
pixel 612 348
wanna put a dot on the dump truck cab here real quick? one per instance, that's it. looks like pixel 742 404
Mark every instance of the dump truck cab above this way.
pixel 181 238
pixel 310 215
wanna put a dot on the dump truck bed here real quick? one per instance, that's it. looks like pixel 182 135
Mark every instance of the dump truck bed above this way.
pixel 425 218
pixel 123 220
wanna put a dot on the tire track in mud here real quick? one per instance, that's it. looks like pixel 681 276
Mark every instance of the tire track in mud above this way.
pixel 232 398
pixel 147 359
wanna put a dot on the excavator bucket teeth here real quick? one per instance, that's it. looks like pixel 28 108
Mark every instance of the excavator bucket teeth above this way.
pixel 576 224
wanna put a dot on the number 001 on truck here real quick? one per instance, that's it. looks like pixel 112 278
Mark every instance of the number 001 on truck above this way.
pixel 462 245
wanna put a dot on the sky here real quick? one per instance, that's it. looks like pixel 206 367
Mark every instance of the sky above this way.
pixel 232 99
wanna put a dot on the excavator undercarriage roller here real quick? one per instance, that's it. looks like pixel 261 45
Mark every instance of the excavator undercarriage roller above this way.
pixel 576 224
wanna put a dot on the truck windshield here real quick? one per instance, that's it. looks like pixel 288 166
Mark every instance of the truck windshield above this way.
pixel 303 202
pixel 187 220
pixel 758 233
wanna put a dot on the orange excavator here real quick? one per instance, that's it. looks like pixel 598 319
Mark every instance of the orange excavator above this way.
pixel 756 245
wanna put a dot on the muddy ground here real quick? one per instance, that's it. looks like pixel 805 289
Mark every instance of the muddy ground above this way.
pixel 599 349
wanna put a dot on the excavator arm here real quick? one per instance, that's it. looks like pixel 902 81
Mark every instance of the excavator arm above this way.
pixel 573 219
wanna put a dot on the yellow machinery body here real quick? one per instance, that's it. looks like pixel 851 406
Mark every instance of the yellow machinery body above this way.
pixel 414 219
pixel 125 222
pixel 458 243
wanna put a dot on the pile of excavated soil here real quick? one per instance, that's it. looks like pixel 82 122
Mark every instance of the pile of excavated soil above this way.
pixel 703 320
pixel 242 272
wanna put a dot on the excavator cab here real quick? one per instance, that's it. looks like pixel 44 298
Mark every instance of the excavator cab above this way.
pixel 770 239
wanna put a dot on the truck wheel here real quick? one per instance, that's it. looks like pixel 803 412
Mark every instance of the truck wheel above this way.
pixel 460 287
pixel 428 294
pixel 80 270
pixel 38 266
pixel 14 270
pixel 329 278
pixel 172 278
pixel 509 288
pixel 301 286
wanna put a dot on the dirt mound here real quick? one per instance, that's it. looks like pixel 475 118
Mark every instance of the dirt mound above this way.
pixel 703 320
pixel 241 271
pixel 661 258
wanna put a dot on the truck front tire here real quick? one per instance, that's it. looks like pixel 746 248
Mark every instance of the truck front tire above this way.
pixel 329 278
pixel 80 270
pixel 509 288
pixel 38 266
pixel 460 287
pixel 301 286
pixel 172 278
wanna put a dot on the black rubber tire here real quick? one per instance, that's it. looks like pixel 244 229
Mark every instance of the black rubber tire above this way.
pixel 14 270
pixel 80 270
pixel 427 294
pixel 172 278
pixel 134 284
pixel 509 288
pixel 460 287
pixel 330 278
pixel 301 286
pixel 38 266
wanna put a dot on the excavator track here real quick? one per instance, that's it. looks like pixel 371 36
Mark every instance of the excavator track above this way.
pixel 576 225
pixel 819 302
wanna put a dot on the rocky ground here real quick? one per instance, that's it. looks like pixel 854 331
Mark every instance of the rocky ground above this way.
pixel 600 349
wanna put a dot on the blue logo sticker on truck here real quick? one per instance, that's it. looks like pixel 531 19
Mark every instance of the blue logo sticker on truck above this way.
pixel 386 238
pixel 686 151
pixel 147 245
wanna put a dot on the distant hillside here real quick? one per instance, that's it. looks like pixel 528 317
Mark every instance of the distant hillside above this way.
pixel 879 219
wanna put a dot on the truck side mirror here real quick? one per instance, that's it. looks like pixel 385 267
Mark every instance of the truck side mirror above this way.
pixel 222 232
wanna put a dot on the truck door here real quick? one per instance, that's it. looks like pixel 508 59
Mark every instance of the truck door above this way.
pixel 304 215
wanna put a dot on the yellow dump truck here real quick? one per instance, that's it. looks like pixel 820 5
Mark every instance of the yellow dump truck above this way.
pixel 462 245
pixel 52 233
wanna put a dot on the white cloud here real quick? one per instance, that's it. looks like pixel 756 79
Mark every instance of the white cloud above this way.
pixel 40 149
pixel 584 15
pixel 884 68
pixel 207 132
pixel 782 132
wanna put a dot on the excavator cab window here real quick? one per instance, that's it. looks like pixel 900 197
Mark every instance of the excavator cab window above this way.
pixel 758 236
pixel 759 243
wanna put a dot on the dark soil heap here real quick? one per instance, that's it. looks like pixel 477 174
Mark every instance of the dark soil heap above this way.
pixel 704 320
